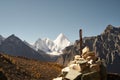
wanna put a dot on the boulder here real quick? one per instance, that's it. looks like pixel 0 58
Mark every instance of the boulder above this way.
pixel 88 58
pixel 91 76
pixel 88 54
pixel 77 57
pixel 73 74
pixel 83 65
pixel 59 78
pixel 85 50
pixel 77 67
pixel 66 69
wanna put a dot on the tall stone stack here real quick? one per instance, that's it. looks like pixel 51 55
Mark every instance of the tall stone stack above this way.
pixel 85 67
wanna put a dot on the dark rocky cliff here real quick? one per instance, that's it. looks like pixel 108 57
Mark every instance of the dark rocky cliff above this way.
pixel 106 46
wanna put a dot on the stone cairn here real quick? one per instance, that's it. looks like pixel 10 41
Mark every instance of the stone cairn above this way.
pixel 86 66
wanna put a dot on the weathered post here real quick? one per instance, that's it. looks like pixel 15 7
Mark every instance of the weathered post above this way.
pixel 80 34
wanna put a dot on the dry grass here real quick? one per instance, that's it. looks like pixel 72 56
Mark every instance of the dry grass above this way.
pixel 30 69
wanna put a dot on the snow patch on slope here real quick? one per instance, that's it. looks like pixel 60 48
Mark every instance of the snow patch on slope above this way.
pixel 50 44
pixel 40 44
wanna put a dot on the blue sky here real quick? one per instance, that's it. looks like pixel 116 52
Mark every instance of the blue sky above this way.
pixel 33 19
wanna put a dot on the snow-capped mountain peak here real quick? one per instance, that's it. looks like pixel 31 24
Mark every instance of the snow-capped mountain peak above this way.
pixel 61 42
pixel 61 36
pixel 50 46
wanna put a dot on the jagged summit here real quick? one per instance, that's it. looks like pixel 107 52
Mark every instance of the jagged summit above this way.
pixel 62 41
pixel 60 37
pixel 112 29
pixel 13 38
pixel 13 35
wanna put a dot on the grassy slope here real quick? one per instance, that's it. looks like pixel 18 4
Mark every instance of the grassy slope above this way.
pixel 20 68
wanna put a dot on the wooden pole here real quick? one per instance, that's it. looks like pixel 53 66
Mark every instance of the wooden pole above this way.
pixel 80 34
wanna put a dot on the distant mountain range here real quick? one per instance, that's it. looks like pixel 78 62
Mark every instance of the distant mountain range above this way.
pixel 106 46
pixel 50 46
pixel 15 46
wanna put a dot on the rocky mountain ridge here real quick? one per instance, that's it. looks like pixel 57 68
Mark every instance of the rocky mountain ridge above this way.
pixel 106 46
pixel 15 46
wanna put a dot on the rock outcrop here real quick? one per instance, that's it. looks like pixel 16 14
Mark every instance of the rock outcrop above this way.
pixel 106 46
pixel 85 67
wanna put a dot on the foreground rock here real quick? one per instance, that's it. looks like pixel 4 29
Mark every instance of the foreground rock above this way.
pixel 85 67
